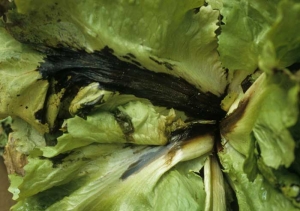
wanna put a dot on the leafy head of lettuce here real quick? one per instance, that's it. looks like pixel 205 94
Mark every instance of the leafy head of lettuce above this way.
pixel 151 105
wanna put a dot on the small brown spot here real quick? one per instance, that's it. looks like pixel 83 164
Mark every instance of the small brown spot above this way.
pixel 171 154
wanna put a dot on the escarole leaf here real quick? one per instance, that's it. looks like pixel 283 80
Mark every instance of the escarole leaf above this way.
pixel 102 176
pixel 181 42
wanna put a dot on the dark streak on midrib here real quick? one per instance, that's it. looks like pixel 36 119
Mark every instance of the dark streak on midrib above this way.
pixel 114 74
pixel 228 124
pixel 179 139
pixel 144 161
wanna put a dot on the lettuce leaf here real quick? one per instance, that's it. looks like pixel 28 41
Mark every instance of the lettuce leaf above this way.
pixel 110 176
pixel 19 81
pixel 272 126
pixel 181 41
pixel 281 50
pixel 88 149
pixel 245 24
pixel 133 122
pixel 256 195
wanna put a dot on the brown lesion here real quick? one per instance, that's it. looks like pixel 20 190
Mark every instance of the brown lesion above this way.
pixel 13 159
pixel 125 123
pixel 228 124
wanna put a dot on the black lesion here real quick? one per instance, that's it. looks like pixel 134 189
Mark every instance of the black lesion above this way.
pixel 294 67
pixel 6 128
pixel 136 63
pixel 5 6
pixel 155 60
pixel 168 65
pixel 39 115
pixel 131 55
pixel 246 83
pixel 79 67
pixel 127 57
pixel 131 58
pixel 190 131
pixel 124 121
